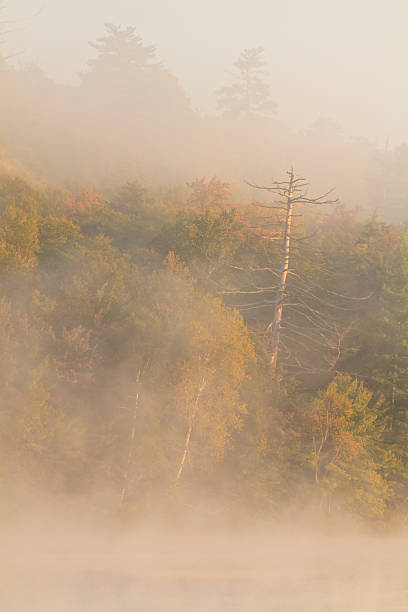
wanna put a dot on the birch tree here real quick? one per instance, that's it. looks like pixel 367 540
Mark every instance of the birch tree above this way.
pixel 345 431
pixel 208 395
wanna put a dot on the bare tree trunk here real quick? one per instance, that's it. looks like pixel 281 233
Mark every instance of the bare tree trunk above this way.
pixel 125 485
pixel 186 452
pixel 186 449
pixel 292 193
pixel 280 292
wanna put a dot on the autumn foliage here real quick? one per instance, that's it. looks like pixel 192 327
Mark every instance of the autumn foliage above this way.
pixel 134 357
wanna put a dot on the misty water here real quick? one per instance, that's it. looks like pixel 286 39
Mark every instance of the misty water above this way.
pixel 157 569
pixel 203 306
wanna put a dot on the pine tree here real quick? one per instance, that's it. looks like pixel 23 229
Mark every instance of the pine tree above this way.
pixel 249 95
pixel 125 75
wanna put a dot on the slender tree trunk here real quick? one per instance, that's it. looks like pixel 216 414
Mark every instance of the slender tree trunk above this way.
pixel 186 452
pixel 125 485
pixel 186 449
pixel 280 292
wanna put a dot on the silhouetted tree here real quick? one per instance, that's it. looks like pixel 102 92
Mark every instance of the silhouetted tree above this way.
pixel 122 46
pixel 248 96
pixel 126 73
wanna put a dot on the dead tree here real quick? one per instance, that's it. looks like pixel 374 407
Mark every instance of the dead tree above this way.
pixel 289 195
pixel 308 325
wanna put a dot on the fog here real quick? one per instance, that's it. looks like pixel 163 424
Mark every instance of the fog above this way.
pixel 54 564
pixel 339 59
pixel 333 74
pixel 203 306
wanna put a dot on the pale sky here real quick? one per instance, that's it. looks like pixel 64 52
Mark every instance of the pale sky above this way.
pixel 345 59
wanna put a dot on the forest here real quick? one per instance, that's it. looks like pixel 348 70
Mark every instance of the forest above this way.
pixel 171 334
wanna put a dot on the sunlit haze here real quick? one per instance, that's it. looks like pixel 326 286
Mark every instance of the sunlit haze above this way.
pixel 345 59
pixel 203 305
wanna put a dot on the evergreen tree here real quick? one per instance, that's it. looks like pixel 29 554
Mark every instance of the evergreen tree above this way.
pixel 388 344
pixel 126 76
pixel 249 95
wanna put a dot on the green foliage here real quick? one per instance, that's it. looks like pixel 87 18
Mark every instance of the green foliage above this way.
pixel 345 433
pixel 126 367
pixel 206 236
pixel 212 193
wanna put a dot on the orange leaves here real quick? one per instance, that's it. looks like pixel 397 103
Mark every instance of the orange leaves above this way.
pixel 86 201
pixel 345 434
pixel 209 194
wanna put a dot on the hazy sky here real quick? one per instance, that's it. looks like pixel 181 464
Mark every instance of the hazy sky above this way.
pixel 346 59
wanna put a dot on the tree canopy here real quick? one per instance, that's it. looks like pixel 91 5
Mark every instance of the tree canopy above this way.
pixel 134 356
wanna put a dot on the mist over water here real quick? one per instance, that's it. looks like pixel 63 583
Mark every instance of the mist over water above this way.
pixel 203 306
pixel 157 567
